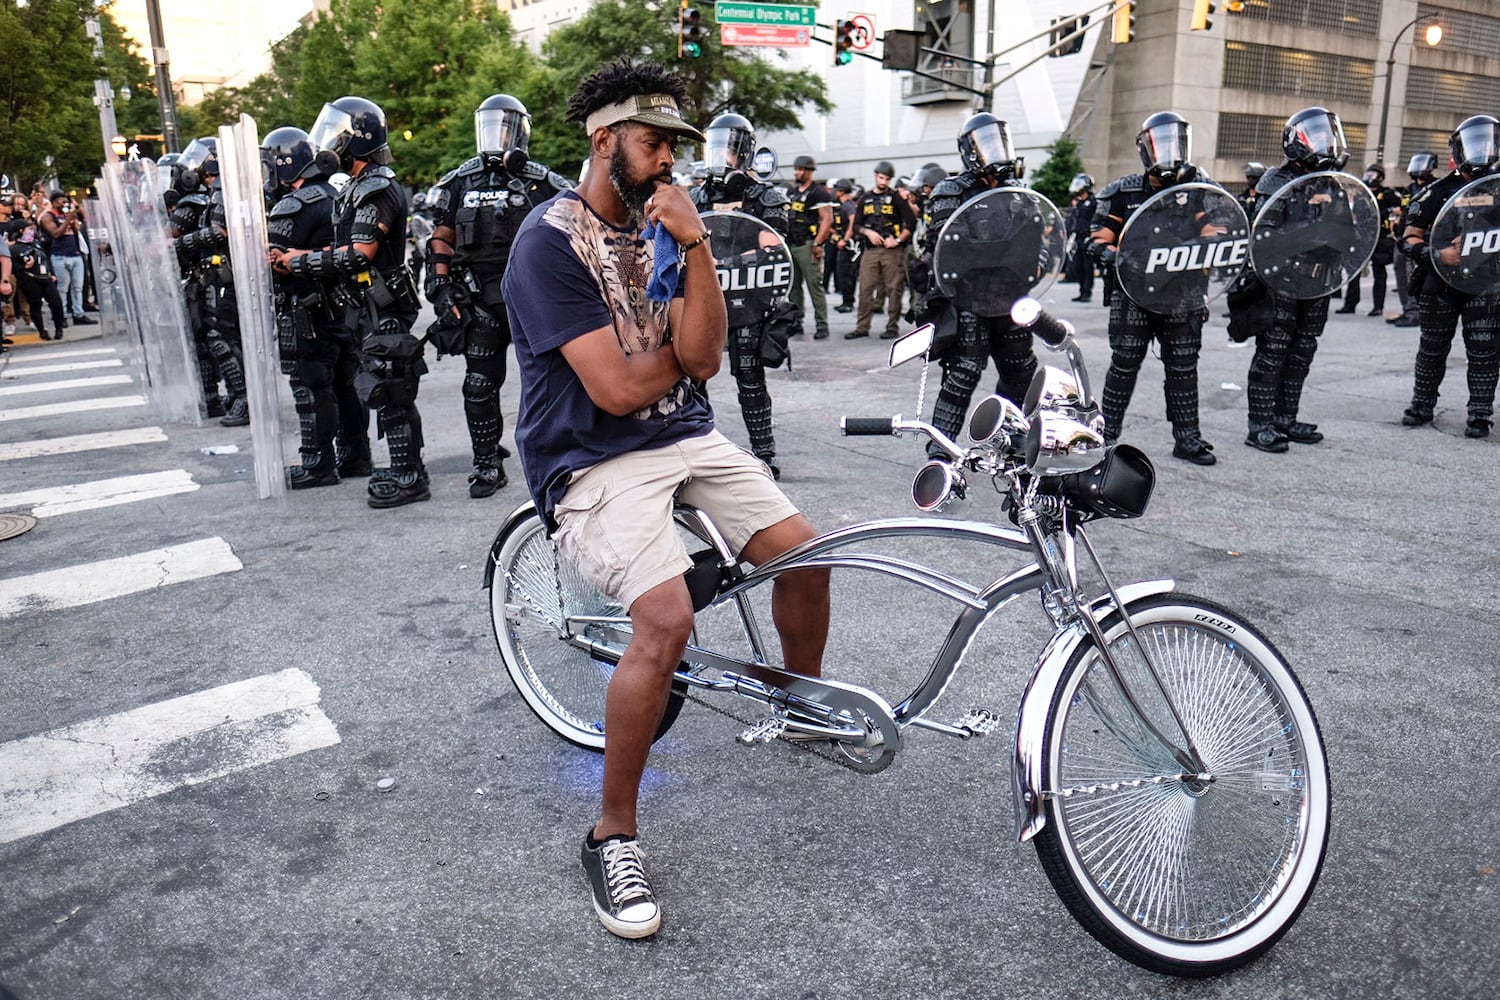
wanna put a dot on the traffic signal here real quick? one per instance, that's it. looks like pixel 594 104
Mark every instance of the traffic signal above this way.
pixel 689 31
pixel 1234 6
pixel 1122 28
pixel 1059 37
pixel 843 44
pixel 1202 11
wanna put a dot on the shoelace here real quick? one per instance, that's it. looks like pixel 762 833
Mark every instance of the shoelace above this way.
pixel 623 871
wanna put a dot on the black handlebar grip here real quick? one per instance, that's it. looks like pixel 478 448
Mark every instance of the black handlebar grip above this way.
pixel 867 426
pixel 1028 313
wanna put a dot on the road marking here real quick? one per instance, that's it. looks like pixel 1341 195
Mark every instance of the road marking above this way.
pixel 77 406
pixel 76 366
pixel 86 583
pixel 53 353
pixel 100 493
pixel 78 771
pixel 81 442
pixel 91 382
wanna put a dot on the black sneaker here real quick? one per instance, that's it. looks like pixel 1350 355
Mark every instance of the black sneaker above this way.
pixel 622 896
pixel 85 320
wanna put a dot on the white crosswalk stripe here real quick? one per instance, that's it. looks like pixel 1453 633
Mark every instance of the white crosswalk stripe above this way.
pixel 78 406
pixel 100 493
pixel 86 583
pixel 81 442
pixel 93 767
pixel 22 371
pixel 91 382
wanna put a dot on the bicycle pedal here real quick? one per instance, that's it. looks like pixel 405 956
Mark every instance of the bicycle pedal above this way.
pixel 762 732
pixel 979 721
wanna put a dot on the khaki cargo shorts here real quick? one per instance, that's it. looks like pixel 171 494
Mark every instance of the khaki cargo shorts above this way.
pixel 615 521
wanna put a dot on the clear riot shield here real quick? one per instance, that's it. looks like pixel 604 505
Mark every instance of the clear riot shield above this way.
pixel 145 270
pixel 245 212
pixel 1464 242
pixel 1314 234
pixel 115 326
pixel 998 247
pixel 755 266
pixel 1182 248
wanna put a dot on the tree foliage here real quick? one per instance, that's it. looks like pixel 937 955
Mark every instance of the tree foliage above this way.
pixel 1053 177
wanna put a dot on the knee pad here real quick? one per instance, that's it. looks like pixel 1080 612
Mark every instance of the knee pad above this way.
pixel 302 398
pixel 479 388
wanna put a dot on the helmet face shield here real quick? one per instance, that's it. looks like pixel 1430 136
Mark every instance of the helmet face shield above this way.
pixel 1323 135
pixel 166 176
pixel 498 130
pixel 989 147
pixel 1476 144
pixel 728 149
pixel 333 130
pixel 1166 146
pixel 196 154
pixel 1421 165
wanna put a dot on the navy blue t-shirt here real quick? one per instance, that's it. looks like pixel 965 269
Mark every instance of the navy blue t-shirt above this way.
pixel 570 273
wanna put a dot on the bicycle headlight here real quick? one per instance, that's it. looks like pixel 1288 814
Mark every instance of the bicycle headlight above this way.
pixel 993 416
pixel 1058 445
pixel 937 482
pixel 1050 389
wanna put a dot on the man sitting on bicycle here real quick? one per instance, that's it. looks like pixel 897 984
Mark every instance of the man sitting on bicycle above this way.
pixel 610 432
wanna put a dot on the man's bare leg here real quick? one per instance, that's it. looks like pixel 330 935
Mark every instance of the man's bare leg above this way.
pixel 662 620
pixel 800 604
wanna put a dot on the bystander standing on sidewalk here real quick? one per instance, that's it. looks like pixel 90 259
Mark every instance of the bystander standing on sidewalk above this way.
pixel 63 226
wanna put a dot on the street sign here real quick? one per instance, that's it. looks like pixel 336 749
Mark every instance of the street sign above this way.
pixel 864 31
pixel 778 36
pixel 776 15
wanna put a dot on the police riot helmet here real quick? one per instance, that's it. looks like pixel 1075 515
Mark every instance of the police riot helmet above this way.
pixel 291 152
pixel 1254 171
pixel 1374 173
pixel 984 147
pixel 1081 183
pixel 730 144
pixel 931 176
pixel 1165 143
pixel 1421 166
pixel 168 166
pixel 1314 138
pixel 352 128
pixel 1475 144
pixel 199 161
pixel 501 124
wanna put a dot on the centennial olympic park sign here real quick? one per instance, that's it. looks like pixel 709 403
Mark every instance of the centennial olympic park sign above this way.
pixel 772 24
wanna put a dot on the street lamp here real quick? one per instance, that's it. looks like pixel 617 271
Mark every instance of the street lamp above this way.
pixel 1432 36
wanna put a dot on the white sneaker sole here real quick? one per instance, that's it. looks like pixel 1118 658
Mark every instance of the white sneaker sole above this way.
pixel 629 929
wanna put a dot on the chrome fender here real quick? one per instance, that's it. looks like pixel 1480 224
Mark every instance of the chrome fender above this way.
pixel 521 513
pixel 1028 766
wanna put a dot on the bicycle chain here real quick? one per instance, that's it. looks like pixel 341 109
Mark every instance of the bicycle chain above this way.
pixel 814 749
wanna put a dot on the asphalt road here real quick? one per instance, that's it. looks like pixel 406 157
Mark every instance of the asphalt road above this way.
pixel 1369 559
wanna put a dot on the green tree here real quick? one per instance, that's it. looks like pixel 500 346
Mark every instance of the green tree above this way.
pixel 1053 177
pixel 721 79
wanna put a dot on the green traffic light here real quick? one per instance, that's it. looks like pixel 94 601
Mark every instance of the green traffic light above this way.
pixel 845 58
pixel 692 50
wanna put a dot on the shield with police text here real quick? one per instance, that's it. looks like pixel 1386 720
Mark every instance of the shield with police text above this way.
pixel 1182 248
pixel 1314 234
pixel 755 266
pixel 1464 242
pixel 998 247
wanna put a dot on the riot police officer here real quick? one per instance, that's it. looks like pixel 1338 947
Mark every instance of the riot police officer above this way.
pixel 317 350
pixel 732 184
pixel 1080 219
pixel 1165 147
pixel 1389 203
pixel 1475 147
pixel 1312 140
pixel 187 216
pixel 989 161
pixel 1421 168
pixel 477 209
pixel 365 263
pixel 1250 200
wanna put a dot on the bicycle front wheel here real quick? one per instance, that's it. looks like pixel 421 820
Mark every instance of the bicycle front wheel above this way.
pixel 1190 875
pixel 533 596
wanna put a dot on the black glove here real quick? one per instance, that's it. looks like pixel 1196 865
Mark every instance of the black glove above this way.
pixel 451 295
pixel 1103 254
pixel 1415 252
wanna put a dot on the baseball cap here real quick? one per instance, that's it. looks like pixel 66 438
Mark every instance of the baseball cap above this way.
pixel 659 110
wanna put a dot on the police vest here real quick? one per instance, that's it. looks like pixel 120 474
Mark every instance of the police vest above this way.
pixel 878 212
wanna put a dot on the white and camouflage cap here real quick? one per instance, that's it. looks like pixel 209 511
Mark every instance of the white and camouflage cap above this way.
pixel 659 110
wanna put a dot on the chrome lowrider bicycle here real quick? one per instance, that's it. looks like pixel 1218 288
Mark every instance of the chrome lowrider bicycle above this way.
pixel 1166 762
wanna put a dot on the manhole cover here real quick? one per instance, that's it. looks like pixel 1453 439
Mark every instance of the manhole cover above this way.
pixel 12 525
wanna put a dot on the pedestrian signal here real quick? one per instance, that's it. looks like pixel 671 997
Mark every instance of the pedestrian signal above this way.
pixel 689 32
pixel 1202 11
pixel 1122 28
pixel 843 44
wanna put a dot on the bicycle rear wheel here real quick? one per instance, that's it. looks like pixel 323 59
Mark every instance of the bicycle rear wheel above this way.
pixel 532 596
pixel 1182 876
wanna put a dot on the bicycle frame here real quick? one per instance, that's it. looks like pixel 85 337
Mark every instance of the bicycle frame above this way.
pixel 835 703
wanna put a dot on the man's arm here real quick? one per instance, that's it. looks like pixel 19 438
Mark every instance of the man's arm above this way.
pixel 53 227
pixel 620 383
pixel 699 320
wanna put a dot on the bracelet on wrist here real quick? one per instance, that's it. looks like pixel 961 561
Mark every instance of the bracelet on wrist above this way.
pixel 683 248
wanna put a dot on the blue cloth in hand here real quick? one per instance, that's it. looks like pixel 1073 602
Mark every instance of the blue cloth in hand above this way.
pixel 663 284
